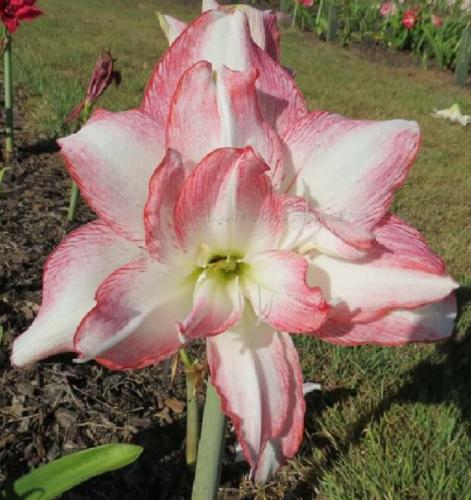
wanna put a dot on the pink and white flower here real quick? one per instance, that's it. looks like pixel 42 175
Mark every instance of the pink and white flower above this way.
pixel 227 211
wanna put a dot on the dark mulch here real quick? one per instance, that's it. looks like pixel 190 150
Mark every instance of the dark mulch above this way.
pixel 57 406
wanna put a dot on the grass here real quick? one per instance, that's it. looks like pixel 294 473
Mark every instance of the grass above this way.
pixel 390 423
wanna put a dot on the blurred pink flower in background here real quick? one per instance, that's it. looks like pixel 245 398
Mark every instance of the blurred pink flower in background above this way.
pixel 387 9
pixel 437 21
pixel 305 3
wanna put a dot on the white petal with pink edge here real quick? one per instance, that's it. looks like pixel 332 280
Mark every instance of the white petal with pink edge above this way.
pixel 275 283
pixel 72 274
pixel 368 289
pixel 227 205
pixel 112 158
pixel 349 169
pixel 257 375
pixel 430 323
pixel 134 323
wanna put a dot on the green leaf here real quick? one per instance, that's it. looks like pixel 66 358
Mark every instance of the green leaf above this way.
pixel 50 480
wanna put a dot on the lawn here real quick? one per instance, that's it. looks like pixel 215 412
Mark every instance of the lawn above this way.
pixel 389 423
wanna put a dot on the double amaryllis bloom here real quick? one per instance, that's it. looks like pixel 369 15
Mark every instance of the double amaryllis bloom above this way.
pixel 227 211
pixel 14 11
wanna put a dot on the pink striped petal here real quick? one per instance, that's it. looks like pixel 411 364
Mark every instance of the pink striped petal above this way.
pixel 429 323
pixel 257 375
pixel 134 323
pixel 71 276
pixel 243 124
pixel 111 159
pixel 399 273
pixel 227 206
pixel 224 113
pixel 217 305
pixel 194 125
pixel 164 187
pixel 224 39
pixel 349 169
pixel 306 229
pixel 275 283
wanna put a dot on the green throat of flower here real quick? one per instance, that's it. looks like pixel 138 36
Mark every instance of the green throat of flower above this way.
pixel 226 266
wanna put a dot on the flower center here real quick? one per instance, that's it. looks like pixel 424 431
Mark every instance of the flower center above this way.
pixel 225 265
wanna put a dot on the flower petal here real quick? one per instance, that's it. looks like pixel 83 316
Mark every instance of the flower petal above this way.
pixel 171 26
pixel 399 273
pixel 72 274
pixel 111 159
pixel 350 168
pixel 224 39
pixel 217 305
pixel 257 375
pixel 224 113
pixel 193 125
pixel 227 205
pixel 306 230
pixel 275 283
pixel 429 323
pixel 28 13
pixel 243 123
pixel 164 187
pixel 134 323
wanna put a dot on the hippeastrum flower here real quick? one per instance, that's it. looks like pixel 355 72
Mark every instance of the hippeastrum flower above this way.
pixel 102 77
pixel 228 212
pixel 14 11
pixel 263 25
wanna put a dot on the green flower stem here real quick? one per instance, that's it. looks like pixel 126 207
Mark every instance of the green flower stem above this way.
pixel 295 14
pixel 319 12
pixel 8 95
pixel 208 466
pixel 192 410
pixel 75 193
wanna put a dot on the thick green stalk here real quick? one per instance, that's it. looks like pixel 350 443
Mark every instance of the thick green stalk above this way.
pixel 8 95
pixel 75 193
pixel 208 466
pixel 192 411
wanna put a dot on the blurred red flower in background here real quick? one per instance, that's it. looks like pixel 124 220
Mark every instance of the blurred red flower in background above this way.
pixel 409 19
pixel 14 11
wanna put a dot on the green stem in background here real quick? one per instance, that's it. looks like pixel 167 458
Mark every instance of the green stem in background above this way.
pixel 208 466
pixel 75 194
pixel 8 95
pixel 319 12
pixel 192 411
pixel 295 14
